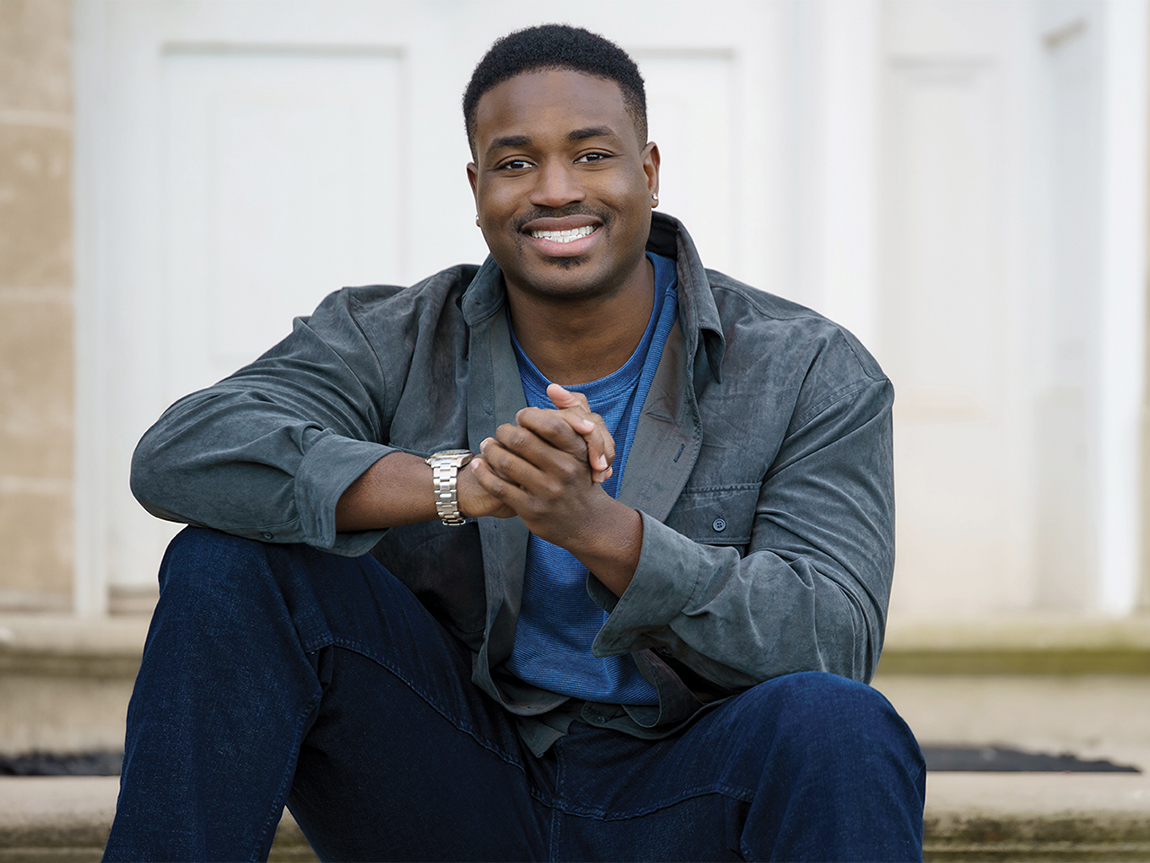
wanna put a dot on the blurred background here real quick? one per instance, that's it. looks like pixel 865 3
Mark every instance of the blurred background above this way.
pixel 962 184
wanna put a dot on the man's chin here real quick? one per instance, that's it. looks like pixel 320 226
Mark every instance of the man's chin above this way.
pixel 568 263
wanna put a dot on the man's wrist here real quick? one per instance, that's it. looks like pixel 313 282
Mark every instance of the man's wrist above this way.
pixel 445 466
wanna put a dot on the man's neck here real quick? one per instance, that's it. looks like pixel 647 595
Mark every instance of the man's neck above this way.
pixel 573 342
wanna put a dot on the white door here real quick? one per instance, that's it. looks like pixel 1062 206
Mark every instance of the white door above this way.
pixel 240 160
pixel 1011 296
pixel 922 172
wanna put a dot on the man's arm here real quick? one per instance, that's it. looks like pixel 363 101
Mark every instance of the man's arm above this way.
pixel 267 452
pixel 809 594
pixel 398 489
pixel 811 591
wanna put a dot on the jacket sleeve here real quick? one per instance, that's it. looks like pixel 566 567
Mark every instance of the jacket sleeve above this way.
pixel 267 452
pixel 811 592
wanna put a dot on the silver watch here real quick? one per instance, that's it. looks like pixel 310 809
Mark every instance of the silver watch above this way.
pixel 445 467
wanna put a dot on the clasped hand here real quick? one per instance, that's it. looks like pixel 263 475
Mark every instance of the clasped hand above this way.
pixel 547 467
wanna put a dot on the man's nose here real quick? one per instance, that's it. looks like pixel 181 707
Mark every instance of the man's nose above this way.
pixel 556 185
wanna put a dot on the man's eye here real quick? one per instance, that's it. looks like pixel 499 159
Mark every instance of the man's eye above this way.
pixel 515 165
pixel 593 157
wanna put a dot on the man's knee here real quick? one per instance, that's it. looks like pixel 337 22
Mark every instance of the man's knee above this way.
pixel 207 561
pixel 216 583
pixel 816 716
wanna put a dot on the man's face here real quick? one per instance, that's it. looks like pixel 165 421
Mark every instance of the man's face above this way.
pixel 563 187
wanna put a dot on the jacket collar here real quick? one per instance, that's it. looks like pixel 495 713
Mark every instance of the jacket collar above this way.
pixel 698 315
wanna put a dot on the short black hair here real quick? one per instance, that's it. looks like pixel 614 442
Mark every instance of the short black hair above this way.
pixel 557 46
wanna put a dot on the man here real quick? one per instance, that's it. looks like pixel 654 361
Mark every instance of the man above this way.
pixel 631 626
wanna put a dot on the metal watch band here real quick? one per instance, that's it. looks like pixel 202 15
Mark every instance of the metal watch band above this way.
pixel 445 467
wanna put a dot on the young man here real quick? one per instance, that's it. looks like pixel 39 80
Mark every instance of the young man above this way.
pixel 631 626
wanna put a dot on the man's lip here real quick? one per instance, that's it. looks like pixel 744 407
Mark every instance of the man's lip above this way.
pixel 560 223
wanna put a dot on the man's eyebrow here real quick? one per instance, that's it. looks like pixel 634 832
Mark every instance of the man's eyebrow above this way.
pixel 574 135
pixel 509 141
pixel 591 132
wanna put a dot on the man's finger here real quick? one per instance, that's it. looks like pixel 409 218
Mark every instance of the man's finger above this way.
pixel 554 428
pixel 534 427
pixel 529 460
pixel 565 398
pixel 577 411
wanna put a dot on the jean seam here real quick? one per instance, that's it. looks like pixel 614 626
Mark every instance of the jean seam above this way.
pixel 464 727
pixel 720 788
pixel 275 813
pixel 557 809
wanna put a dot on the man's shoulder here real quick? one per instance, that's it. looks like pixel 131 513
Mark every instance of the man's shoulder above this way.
pixel 767 324
pixel 435 290
pixel 734 297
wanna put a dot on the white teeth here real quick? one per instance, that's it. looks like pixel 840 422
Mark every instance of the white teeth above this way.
pixel 564 236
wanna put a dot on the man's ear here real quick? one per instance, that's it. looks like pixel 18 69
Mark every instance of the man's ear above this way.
pixel 473 179
pixel 651 167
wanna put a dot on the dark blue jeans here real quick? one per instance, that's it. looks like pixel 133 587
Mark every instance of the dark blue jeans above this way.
pixel 283 673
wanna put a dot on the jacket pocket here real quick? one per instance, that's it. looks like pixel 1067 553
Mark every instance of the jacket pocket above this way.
pixel 716 515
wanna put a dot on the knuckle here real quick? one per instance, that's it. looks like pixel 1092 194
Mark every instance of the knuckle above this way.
pixel 569 472
pixel 510 435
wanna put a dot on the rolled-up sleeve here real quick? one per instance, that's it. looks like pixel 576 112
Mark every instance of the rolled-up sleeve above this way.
pixel 267 452
pixel 810 590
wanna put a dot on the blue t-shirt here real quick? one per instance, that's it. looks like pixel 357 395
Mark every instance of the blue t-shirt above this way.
pixel 558 620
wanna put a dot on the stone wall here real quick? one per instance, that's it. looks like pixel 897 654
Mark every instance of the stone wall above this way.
pixel 36 304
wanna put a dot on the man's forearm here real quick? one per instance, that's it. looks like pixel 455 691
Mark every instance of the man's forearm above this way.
pixel 611 551
pixel 398 489
pixel 395 490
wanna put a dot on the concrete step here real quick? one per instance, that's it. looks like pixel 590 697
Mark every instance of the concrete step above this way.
pixel 50 819
pixel 1037 816
pixel 65 682
pixel 969 817
pixel 1042 685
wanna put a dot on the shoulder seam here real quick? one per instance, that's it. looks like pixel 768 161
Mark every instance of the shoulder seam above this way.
pixel 835 396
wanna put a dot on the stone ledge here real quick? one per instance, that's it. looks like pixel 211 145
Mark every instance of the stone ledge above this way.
pixel 66 646
pixel 53 818
pixel 1021 644
pixel 973 816
pixel 62 645
pixel 969 816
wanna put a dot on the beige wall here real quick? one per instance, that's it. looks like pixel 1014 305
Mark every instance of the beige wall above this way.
pixel 1144 598
pixel 36 280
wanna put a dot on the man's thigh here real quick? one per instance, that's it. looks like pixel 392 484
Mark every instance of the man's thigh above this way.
pixel 386 773
pixel 803 767
pixel 284 671
pixel 406 758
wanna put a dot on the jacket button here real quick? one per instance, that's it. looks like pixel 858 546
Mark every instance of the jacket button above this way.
pixel 719 524
pixel 267 535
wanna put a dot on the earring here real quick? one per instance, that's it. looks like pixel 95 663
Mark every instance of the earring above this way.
pixel 655 198
pixel 477 220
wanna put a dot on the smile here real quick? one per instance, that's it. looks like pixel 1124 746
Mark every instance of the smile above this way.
pixel 564 236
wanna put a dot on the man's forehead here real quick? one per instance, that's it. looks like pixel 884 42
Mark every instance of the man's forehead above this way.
pixel 545 96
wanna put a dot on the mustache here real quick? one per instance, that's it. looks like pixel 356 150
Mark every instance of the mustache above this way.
pixel 603 216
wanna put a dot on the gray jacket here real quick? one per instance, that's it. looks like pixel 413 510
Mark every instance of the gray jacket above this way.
pixel 761 466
